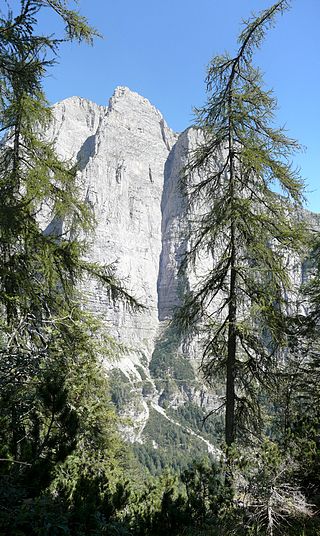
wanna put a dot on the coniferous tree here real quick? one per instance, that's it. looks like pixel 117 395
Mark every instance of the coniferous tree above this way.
pixel 246 227
pixel 56 421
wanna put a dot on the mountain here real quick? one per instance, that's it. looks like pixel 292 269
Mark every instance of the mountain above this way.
pixel 130 164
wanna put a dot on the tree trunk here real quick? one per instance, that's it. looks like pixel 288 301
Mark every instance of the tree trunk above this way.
pixel 232 308
pixel 231 361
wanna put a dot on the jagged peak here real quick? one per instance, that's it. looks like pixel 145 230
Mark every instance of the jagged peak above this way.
pixel 77 101
pixel 123 95
pixel 122 99
pixel 120 93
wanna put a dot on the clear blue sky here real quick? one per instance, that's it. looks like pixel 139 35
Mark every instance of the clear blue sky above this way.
pixel 160 48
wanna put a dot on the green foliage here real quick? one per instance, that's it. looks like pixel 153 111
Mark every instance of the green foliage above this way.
pixel 191 415
pixel 239 306
pixel 120 390
pixel 60 452
pixel 167 359
pixel 167 445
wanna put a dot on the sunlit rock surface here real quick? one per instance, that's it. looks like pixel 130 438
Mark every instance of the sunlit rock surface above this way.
pixel 130 165
pixel 122 151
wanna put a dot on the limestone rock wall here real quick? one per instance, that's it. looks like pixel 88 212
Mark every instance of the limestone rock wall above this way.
pixel 122 151
pixel 75 123
pixel 175 227
pixel 130 164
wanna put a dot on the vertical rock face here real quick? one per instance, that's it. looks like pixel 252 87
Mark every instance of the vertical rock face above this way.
pixel 174 227
pixel 130 164
pixel 129 167
pixel 75 123
pixel 122 151
pixel 125 181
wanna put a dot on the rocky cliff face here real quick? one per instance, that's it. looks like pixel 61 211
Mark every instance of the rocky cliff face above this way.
pixel 121 150
pixel 130 163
